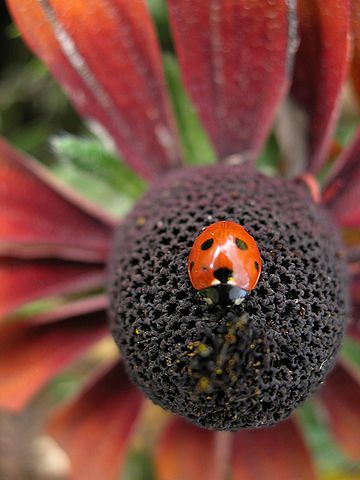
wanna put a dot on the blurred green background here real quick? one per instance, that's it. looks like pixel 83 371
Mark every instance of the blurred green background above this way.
pixel 32 106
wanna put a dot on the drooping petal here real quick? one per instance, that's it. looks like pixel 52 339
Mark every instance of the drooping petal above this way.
pixel 95 429
pixel 32 355
pixel 235 58
pixel 277 453
pixel 106 56
pixel 23 281
pixel 36 221
pixel 341 395
pixel 185 451
pixel 321 67
pixel 342 193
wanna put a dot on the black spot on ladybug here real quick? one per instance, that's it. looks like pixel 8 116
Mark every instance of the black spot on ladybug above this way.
pixel 191 265
pixel 207 244
pixel 241 244
pixel 256 266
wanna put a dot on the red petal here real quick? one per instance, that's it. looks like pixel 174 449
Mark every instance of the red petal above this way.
pixel 277 453
pixel 321 68
pixel 235 59
pixel 186 452
pixel 38 221
pixel 343 191
pixel 341 395
pixel 95 429
pixel 356 40
pixel 32 355
pixel 106 56
pixel 23 281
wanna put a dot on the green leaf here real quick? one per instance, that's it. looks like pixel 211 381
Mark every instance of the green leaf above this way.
pixel 98 174
pixel 327 455
pixel 345 131
pixel 269 160
pixel 138 466
pixel 44 305
pixel 65 386
pixel 11 31
pixel 159 14
pixel 351 351
pixel 196 144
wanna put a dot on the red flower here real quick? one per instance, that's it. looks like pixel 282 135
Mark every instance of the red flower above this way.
pixel 236 58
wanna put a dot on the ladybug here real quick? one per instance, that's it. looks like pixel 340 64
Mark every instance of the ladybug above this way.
pixel 224 263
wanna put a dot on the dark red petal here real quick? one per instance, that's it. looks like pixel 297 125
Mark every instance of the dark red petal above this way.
pixel 235 58
pixel 95 429
pixel 23 281
pixel 277 453
pixel 321 67
pixel 106 56
pixel 38 221
pixel 343 190
pixel 356 41
pixel 32 355
pixel 186 452
pixel 341 395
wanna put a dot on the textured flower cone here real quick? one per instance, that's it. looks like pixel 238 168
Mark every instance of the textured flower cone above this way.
pixel 223 368
pixel 245 366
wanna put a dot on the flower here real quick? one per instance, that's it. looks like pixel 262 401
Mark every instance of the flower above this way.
pixel 236 59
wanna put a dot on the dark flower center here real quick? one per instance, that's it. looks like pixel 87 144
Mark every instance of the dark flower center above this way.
pixel 228 367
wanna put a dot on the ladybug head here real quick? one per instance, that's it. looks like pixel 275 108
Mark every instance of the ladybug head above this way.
pixel 224 294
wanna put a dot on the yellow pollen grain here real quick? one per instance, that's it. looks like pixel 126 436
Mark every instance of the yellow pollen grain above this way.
pixel 203 349
pixel 230 338
pixel 197 348
pixel 192 345
pixel 203 384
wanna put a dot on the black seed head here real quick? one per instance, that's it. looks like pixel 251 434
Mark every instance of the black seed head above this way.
pixel 264 357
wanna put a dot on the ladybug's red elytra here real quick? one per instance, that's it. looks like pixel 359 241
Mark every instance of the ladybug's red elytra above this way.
pixel 224 263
